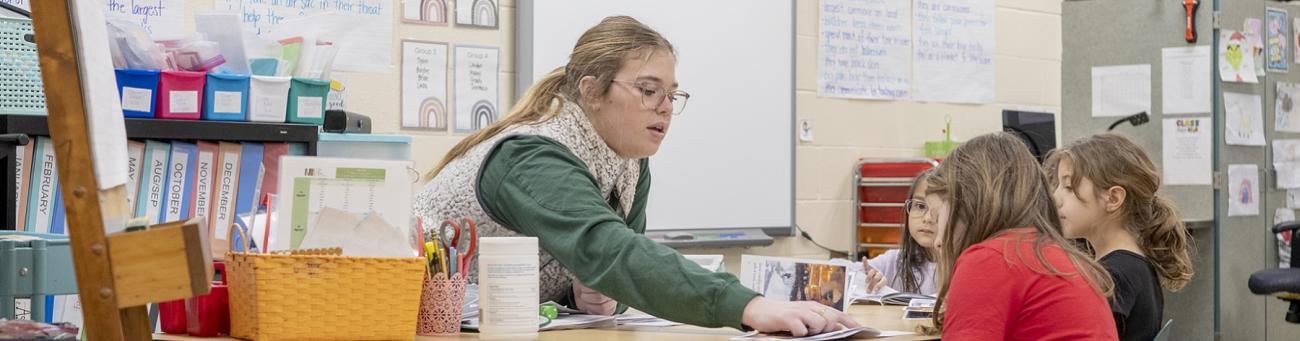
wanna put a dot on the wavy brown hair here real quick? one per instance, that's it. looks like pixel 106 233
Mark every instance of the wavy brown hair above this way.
pixel 993 184
pixel 599 53
pixel 1111 160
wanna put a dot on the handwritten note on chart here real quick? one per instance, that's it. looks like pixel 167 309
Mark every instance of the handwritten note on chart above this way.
pixel 476 78
pixel 158 17
pixel 865 49
pixel 954 46
pixel 24 4
pixel 362 29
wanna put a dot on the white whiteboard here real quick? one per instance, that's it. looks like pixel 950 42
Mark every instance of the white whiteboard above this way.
pixel 728 161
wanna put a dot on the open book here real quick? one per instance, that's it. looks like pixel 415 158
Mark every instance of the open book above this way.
pixel 792 279
pixel 887 296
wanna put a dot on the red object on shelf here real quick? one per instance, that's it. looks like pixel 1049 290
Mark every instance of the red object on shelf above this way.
pixel 209 315
pixel 171 315
pixel 882 187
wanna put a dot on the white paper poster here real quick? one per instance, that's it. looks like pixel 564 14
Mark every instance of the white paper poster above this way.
pixel 865 49
pixel 1243 190
pixel 1187 151
pixel 161 18
pixel 1286 163
pixel 1121 90
pixel 1185 80
pixel 477 89
pixel 1235 58
pixel 362 29
pixel 424 85
pixel 1277 33
pixel 954 51
pixel 1293 198
pixel 103 110
pixel 1244 120
pixel 481 13
pixel 1286 110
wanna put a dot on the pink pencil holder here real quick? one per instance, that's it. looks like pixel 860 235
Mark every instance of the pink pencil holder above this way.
pixel 441 305
pixel 180 95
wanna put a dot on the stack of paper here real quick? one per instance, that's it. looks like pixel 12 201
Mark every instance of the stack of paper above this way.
pixel 364 237
pixel 644 320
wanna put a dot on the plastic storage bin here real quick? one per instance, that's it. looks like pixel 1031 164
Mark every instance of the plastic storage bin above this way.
pixel 137 90
pixel 180 95
pixel 368 146
pixel 226 97
pixel 307 100
pixel 268 98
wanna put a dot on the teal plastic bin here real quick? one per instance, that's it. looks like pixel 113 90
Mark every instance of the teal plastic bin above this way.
pixel 307 100
pixel 34 265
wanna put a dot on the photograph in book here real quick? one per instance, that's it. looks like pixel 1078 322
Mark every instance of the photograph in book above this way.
pixel 790 279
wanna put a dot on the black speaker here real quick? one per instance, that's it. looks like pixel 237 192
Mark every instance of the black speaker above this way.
pixel 339 121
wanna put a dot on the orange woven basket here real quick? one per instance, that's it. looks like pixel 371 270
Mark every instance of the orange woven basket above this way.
pixel 323 296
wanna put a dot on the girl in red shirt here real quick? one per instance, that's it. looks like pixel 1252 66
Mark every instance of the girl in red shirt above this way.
pixel 1007 273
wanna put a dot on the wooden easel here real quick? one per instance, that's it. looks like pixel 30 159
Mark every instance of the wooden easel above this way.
pixel 117 274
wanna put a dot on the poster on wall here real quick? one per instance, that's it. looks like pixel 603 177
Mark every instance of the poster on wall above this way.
pixel 1235 62
pixel 953 59
pixel 1254 30
pixel 424 85
pixel 26 5
pixel 1286 108
pixel 864 49
pixel 476 93
pixel 1244 119
pixel 362 29
pixel 1278 40
pixel 477 13
pixel 428 12
pixel 1243 190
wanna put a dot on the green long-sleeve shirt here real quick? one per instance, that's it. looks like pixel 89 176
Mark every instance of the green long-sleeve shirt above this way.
pixel 536 187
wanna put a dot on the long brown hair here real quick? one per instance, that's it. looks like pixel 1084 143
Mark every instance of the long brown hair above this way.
pixel 599 53
pixel 912 257
pixel 992 184
pixel 1109 160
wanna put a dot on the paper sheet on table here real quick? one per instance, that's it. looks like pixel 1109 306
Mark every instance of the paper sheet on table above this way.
pixel 1121 90
pixel 1187 151
pixel 1185 80
pixel 849 333
pixel 1243 190
pixel 644 320
pixel 1244 120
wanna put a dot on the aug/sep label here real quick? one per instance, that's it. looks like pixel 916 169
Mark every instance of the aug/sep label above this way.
pixel 136 99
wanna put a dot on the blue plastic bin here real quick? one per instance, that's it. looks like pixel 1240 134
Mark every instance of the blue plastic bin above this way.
pixel 137 89
pixel 227 97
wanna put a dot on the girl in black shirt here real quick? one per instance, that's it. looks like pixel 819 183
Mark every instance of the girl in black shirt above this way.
pixel 1105 190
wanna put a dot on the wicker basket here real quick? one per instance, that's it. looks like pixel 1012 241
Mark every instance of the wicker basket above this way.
pixel 323 296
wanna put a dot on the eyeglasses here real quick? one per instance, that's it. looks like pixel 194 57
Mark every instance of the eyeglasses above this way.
pixel 652 95
pixel 916 208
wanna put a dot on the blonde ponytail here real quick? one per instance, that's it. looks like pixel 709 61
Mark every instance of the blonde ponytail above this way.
pixel 1164 240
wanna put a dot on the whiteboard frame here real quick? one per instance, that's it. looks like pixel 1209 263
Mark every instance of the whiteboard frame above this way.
pixel 524 55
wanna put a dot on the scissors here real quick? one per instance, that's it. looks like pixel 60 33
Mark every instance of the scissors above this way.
pixel 463 252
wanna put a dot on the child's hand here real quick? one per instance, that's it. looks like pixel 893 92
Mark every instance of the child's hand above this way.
pixel 875 280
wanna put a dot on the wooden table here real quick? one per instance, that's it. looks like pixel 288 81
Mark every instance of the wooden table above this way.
pixel 879 317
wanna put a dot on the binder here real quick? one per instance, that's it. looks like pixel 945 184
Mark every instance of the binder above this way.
pixel 23 175
pixel 204 176
pixel 134 158
pixel 223 204
pixel 40 199
pixel 150 199
pixel 179 178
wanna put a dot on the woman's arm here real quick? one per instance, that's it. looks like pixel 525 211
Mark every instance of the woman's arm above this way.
pixel 538 188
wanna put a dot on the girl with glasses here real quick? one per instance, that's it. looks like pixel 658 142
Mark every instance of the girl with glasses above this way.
pixel 910 268
pixel 570 166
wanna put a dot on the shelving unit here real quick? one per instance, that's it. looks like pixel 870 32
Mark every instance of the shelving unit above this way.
pixel 881 190
pixel 157 129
